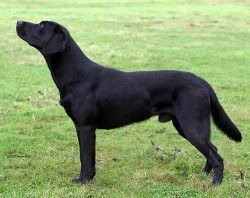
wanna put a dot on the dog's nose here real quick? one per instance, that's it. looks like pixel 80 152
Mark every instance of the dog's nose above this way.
pixel 19 23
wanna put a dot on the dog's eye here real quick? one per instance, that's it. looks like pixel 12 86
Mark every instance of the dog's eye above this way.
pixel 41 24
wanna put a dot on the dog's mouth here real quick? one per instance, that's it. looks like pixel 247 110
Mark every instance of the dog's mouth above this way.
pixel 21 32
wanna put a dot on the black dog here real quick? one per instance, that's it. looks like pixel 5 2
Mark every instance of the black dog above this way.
pixel 96 97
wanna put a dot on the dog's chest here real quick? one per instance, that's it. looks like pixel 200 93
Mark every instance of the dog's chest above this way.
pixel 66 103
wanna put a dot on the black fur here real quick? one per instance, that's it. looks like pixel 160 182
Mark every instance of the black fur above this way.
pixel 96 97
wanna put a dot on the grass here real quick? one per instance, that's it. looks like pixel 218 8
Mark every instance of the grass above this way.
pixel 38 145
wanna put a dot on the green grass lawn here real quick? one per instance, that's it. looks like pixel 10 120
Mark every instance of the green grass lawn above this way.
pixel 38 146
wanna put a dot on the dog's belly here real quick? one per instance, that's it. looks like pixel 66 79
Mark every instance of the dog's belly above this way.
pixel 115 119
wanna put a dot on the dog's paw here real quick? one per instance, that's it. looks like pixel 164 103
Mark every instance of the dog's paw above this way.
pixel 81 180
pixel 214 184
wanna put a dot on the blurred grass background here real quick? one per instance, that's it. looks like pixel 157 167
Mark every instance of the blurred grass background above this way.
pixel 38 145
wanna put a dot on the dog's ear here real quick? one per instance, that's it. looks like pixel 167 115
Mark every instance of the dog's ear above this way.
pixel 56 43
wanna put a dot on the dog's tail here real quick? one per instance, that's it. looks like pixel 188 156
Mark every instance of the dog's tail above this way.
pixel 221 119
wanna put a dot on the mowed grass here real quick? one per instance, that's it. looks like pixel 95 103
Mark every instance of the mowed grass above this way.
pixel 38 146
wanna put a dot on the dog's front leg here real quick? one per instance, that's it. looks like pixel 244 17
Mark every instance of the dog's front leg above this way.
pixel 86 137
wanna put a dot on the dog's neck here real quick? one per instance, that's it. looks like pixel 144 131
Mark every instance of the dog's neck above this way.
pixel 70 66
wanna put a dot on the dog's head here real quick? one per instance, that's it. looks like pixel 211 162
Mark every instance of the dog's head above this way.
pixel 48 37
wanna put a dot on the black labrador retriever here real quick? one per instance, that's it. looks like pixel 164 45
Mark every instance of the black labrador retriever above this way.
pixel 96 97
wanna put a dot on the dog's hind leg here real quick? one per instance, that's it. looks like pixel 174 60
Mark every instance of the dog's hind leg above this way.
pixel 176 124
pixel 191 130
pixel 194 122
pixel 217 164
pixel 208 167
